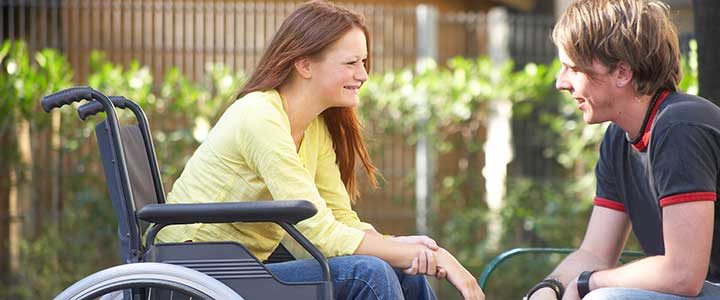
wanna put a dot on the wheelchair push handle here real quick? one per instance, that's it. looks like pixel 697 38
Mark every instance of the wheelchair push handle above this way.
pixel 94 107
pixel 66 96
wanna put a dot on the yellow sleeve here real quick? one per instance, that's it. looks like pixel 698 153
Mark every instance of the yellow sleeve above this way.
pixel 331 187
pixel 263 137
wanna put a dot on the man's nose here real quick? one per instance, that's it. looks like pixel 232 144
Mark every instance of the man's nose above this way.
pixel 561 82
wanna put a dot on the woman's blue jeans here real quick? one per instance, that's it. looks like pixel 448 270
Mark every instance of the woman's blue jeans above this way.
pixel 358 277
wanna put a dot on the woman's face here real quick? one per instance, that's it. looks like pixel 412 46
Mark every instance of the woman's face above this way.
pixel 339 72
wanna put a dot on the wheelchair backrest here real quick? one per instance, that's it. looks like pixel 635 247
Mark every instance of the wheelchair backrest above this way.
pixel 143 180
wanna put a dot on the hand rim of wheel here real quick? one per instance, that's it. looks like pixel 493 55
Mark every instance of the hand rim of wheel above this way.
pixel 185 280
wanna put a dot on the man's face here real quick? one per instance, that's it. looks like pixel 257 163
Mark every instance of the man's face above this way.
pixel 593 95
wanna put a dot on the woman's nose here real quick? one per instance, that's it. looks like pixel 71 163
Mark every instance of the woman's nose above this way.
pixel 361 74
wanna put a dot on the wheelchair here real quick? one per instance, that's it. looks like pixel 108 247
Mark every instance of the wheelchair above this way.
pixel 192 270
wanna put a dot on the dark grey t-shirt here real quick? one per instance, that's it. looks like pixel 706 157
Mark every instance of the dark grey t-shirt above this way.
pixel 675 160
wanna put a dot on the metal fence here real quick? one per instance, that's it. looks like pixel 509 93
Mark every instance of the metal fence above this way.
pixel 184 34
pixel 189 34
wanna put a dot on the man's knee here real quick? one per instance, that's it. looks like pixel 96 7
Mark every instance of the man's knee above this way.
pixel 603 294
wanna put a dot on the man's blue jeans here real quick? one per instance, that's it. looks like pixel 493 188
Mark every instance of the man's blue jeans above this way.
pixel 358 277
pixel 710 291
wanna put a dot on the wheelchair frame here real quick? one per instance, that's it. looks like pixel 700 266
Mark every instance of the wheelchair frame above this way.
pixel 208 270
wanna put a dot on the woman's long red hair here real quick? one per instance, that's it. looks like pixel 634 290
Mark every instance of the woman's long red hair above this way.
pixel 308 31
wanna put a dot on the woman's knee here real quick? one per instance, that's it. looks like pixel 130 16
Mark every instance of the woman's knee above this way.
pixel 371 265
pixel 365 277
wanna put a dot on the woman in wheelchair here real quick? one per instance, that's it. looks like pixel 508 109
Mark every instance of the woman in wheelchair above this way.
pixel 293 133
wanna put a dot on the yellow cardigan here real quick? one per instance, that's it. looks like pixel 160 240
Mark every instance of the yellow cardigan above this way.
pixel 250 155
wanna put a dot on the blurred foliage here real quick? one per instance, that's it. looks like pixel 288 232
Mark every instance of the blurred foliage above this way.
pixel 537 211
pixel 29 78
pixel 456 96
pixel 543 211
pixel 452 116
pixel 23 80
pixel 80 245
pixel 82 238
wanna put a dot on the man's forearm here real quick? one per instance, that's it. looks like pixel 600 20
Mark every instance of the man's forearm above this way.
pixel 569 269
pixel 577 262
pixel 655 273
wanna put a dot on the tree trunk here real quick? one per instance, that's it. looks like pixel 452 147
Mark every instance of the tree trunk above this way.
pixel 707 31
pixel 5 159
pixel 56 161
pixel 20 195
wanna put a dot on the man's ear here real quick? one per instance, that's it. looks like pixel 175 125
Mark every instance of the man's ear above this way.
pixel 303 67
pixel 623 74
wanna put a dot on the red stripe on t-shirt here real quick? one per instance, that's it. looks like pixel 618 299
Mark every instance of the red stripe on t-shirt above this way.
pixel 643 142
pixel 609 204
pixel 688 197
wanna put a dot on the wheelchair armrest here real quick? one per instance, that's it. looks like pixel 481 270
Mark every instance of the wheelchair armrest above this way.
pixel 285 213
pixel 289 211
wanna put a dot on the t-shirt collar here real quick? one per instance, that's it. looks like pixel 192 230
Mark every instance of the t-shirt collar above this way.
pixel 641 142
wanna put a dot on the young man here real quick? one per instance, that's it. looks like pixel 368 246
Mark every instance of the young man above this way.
pixel 659 160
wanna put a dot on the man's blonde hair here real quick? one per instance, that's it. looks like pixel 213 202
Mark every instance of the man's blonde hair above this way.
pixel 637 32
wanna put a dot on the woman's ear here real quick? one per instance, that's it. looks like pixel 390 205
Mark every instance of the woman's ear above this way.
pixel 303 67
pixel 623 74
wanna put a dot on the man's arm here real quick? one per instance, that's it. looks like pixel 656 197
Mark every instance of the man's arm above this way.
pixel 687 231
pixel 604 240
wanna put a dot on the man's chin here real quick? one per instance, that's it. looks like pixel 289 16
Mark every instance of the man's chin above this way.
pixel 590 120
pixel 593 122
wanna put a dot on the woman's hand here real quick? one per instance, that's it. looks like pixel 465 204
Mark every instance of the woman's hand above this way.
pixel 417 239
pixel 571 291
pixel 458 276
pixel 425 262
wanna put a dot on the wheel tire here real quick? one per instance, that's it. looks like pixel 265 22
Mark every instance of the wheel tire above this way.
pixel 139 275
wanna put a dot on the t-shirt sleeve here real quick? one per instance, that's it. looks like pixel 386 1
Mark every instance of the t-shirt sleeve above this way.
pixel 606 190
pixel 332 188
pixel 684 164
pixel 264 141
